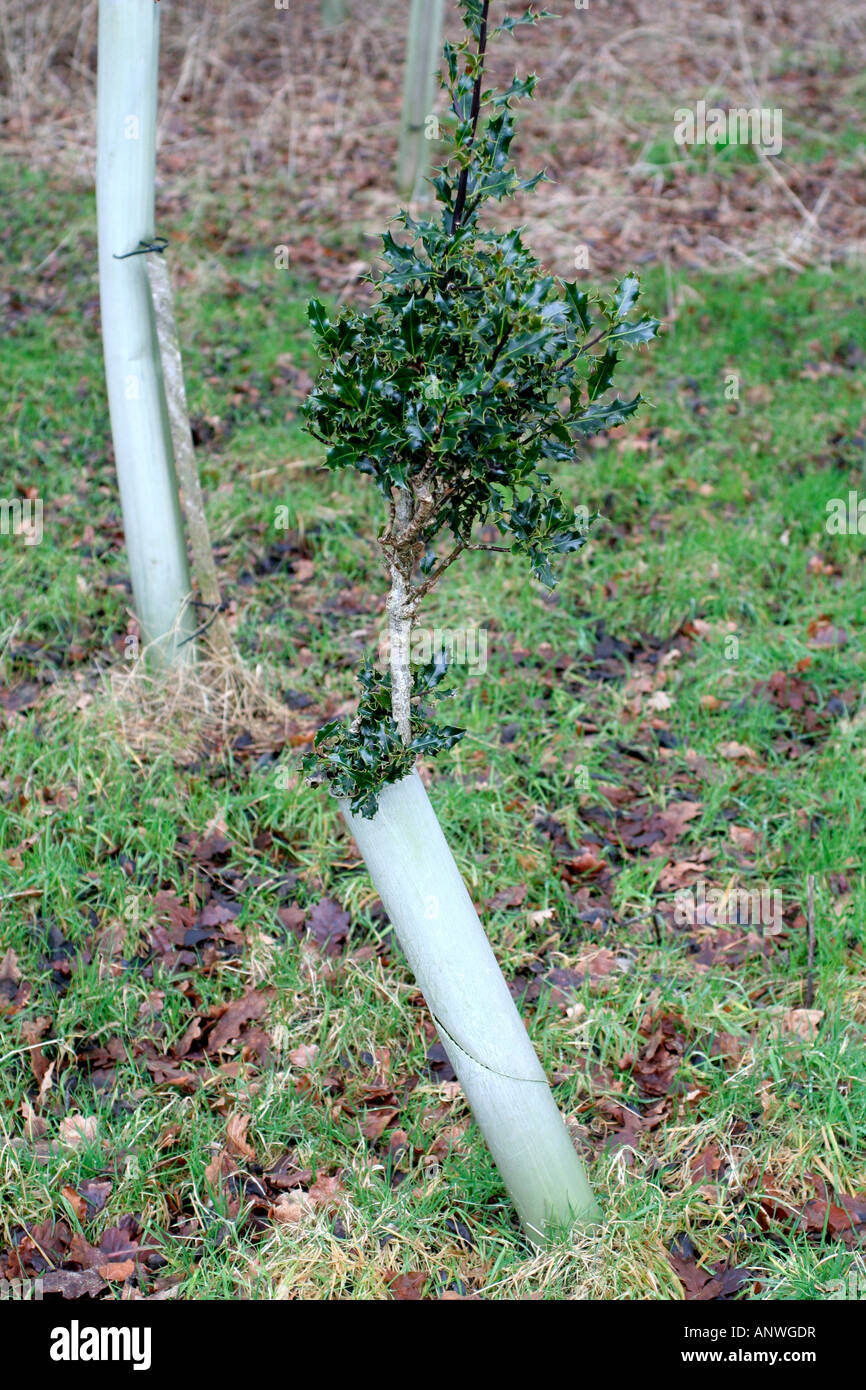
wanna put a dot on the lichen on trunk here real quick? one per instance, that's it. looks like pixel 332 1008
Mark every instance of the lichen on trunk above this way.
pixel 400 614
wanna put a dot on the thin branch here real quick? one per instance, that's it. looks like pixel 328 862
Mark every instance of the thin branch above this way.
pixel 497 351
pixel 529 438
pixel 475 112
pixel 584 347
pixel 440 569
pixel 437 574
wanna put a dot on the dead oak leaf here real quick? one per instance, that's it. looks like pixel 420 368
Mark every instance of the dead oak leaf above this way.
pixel 700 1284
pixel 293 918
pixel 181 917
pixel 213 845
pixel 221 1166
pixel 328 925
pixel 744 838
pixel 191 1035
pixel 122 1243
pixel 734 752
pixel 237 1143
pixel 166 1073
pixel 76 1131
pixel 508 897
pixel 231 1021
pixel 798 1023
pixel 76 1202
pixel 290 1211
pixel 35 1127
pixel 325 1191
pixel 685 871
pixel 377 1122
pixel 72 1284
pixel 95 1192
pixel 544 914
pixel 659 702
pixel 597 962
pixel 841 1218
pixel 304 1055
pixel 32 1030
pixel 822 632
pixel 82 1253
pixel 675 817
pixel 116 1273
pixel 217 914
pixel 707 1165
pixel 407 1287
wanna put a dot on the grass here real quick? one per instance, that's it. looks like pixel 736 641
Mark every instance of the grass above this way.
pixel 707 570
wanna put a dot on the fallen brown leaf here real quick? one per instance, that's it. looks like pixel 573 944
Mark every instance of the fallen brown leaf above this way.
pixel 737 752
pixel 407 1287
pixel 251 1005
pixel 822 632
pixel 744 838
pixel 236 1137
pixel 798 1023
pixel 116 1273
pixel 78 1130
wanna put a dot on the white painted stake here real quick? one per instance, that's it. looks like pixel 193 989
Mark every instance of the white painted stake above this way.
pixel 437 926
pixel 126 166
pixel 423 56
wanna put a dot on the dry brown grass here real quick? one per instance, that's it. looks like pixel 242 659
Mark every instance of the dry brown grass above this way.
pixel 255 97
pixel 189 711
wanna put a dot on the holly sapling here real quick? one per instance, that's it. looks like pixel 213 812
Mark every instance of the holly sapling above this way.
pixel 472 378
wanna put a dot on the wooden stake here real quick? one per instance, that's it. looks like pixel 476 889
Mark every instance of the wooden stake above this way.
pixel 184 453
pixel 423 54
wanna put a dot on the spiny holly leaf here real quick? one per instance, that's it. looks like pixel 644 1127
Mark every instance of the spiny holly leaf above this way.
pixel 601 374
pixel 606 417
pixel 358 759
pixel 632 334
pixel 625 296
pixel 578 304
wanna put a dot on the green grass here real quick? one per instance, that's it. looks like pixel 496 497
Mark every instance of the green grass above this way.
pixel 713 509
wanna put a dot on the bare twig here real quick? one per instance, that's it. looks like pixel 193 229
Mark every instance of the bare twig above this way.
pixel 440 569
